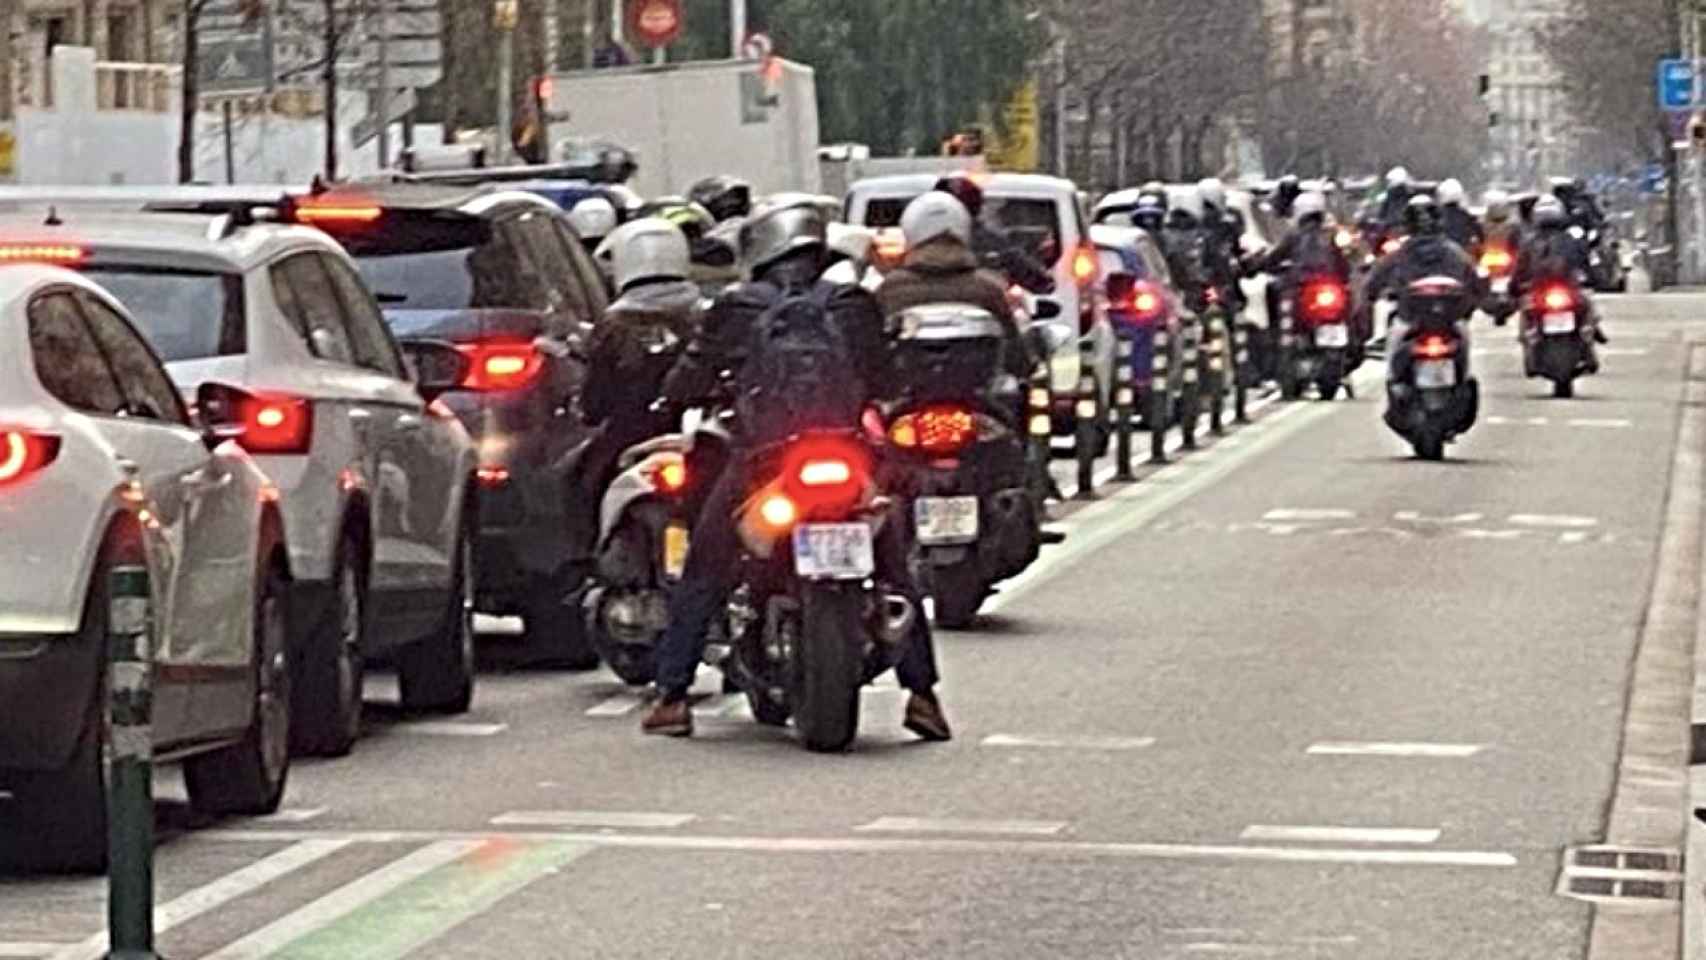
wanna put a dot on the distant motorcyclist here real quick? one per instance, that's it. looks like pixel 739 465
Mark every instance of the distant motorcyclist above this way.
pixel 1175 238
pixel 1501 227
pixel 1286 192
pixel 593 218
pixel 1580 207
pixel 1310 249
pixel 1399 190
pixel 1552 252
pixel 1459 224
pixel 1223 235
pixel 787 250
pixel 992 247
pixel 727 198
pixel 1428 253
pixel 939 267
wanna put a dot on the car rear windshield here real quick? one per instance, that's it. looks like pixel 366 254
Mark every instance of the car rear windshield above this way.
pixel 484 277
pixel 1113 261
pixel 186 315
pixel 885 211
pixel 1033 222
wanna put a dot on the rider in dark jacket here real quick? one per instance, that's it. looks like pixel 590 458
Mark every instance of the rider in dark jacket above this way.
pixel 1286 192
pixel 1309 249
pixel 1551 252
pixel 991 246
pixel 1459 224
pixel 1427 253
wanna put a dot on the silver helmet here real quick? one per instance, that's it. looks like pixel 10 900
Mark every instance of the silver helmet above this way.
pixel 935 215
pixel 593 219
pixel 774 231
pixel 648 249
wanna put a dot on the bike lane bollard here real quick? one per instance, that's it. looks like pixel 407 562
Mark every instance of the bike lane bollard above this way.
pixel 130 768
pixel 1039 432
pixel 1125 398
pixel 1214 350
pixel 1244 376
pixel 1084 411
pixel 1285 364
pixel 1160 393
pixel 1190 399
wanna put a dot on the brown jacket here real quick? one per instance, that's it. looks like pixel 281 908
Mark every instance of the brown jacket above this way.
pixel 943 271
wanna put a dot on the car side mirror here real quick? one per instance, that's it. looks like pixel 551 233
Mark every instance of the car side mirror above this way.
pixel 438 366
pixel 1047 309
pixel 1047 337
pixel 219 412
pixel 1121 286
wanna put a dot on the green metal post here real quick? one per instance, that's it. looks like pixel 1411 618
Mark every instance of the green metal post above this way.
pixel 1124 397
pixel 130 767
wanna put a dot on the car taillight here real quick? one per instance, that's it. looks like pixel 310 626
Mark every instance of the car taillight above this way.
pixel 938 431
pixel 1558 299
pixel 1084 266
pixel 501 366
pixel 1435 348
pixel 23 453
pixel 60 253
pixel 276 425
pixel 1323 299
pixel 336 214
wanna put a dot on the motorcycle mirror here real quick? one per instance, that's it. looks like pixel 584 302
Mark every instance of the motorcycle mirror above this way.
pixel 1046 309
pixel 1121 286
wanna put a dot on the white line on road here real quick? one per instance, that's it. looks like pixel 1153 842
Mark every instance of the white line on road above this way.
pixel 1027 828
pixel 1264 832
pixel 1296 513
pixel 1231 853
pixel 614 819
pixel 1068 743
pixel 24 950
pixel 293 815
pixel 1554 520
pixel 1347 748
pixel 450 728
pixel 205 899
pixel 618 705
pixel 345 900
pixel 1604 423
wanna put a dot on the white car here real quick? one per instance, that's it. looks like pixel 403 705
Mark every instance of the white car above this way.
pixel 1047 216
pixel 376 477
pixel 101 464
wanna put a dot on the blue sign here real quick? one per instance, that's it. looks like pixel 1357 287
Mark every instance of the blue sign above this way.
pixel 1676 85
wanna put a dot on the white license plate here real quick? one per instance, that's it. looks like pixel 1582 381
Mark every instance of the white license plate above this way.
pixel 1333 335
pixel 1435 373
pixel 1563 322
pixel 833 551
pixel 946 520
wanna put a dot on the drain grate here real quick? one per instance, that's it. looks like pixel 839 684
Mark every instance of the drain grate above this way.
pixel 1621 874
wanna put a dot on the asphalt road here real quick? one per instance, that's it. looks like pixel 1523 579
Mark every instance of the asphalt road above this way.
pixel 1297 695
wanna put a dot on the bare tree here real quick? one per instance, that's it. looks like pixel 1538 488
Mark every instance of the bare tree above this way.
pixel 328 31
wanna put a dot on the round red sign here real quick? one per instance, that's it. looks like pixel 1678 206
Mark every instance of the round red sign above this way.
pixel 654 23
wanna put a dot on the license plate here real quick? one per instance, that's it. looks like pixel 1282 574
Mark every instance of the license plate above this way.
pixel 1436 373
pixel 833 551
pixel 1564 322
pixel 1333 335
pixel 675 541
pixel 946 520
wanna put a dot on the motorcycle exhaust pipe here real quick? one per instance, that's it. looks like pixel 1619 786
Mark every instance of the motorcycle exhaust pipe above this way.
pixel 897 617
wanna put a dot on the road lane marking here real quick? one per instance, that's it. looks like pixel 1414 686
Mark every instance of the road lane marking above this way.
pixel 450 728
pixel 1604 423
pixel 1305 514
pixel 615 819
pixel 205 899
pixel 618 705
pixel 1068 743
pixel 415 914
pixel 1552 520
pixel 1413 516
pixel 1027 828
pixel 293 815
pixel 24 950
pixel 345 900
pixel 1279 834
pixel 1349 748
pixel 1230 853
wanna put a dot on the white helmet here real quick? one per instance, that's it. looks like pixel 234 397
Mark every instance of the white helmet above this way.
pixel 1450 192
pixel 1549 212
pixel 1309 203
pixel 1212 191
pixel 1498 204
pixel 649 249
pixel 593 219
pixel 1397 177
pixel 935 215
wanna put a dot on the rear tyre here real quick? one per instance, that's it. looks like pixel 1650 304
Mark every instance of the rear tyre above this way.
pixel 1429 446
pixel 331 673
pixel 436 675
pixel 248 777
pixel 828 667
pixel 1329 387
pixel 959 592
pixel 1563 388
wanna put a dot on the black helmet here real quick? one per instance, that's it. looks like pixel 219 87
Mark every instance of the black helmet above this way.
pixel 1289 186
pixel 964 188
pixel 1421 215
pixel 726 197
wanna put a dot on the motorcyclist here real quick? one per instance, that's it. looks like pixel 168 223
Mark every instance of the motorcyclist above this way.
pixel 939 267
pixel 1428 253
pixel 786 248
pixel 1151 212
pixel 592 219
pixel 727 198
pixel 1286 192
pixel 1459 224
pixel 1551 252
pixel 1222 236
pixel 1394 205
pixel 1310 249
pixel 1501 228
pixel 992 247
pixel 1580 207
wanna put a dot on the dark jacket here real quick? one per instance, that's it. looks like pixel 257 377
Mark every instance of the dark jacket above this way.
pixel 1461 226
pixel 1548 254
pixel 1428 255
pixel 1223 234
pixel 943 271
pixel 1308 251
pixel 996 252
pixel 632 350
pixel 1393 204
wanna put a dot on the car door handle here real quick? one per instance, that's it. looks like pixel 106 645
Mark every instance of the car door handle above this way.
pixel 360 416
pixel 409 423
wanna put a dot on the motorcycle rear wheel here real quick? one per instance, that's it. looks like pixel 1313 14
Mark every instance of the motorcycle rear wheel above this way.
pixel 1563 388
pixel 1429 446
pixel 959 592
pixel 828 666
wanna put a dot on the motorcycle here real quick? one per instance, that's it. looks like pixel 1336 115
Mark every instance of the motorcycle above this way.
pixel 958 428
pixel 1497 262
pixel 1315 337
pixel 1606 272
pixel 1555 336
pixel 1431 398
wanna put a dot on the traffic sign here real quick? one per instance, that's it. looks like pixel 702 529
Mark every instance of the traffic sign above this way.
pixel 1676 84
pixel 655 23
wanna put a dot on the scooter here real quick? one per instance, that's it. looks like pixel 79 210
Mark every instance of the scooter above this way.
pixel 1555 336
pixel 1497 262
pixel 1431 397
pixel 1315 337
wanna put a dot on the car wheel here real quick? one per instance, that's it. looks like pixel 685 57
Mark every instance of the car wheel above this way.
pixel 248 777
pixel 331 671
pixel 437 674
pixel 555 633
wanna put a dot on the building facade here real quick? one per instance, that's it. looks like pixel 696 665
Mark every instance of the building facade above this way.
pixel 1532 136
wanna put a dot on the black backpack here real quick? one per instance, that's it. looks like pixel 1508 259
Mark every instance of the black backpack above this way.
pixel 800 372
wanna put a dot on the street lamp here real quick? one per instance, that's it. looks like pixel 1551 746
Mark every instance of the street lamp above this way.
pixel 505 15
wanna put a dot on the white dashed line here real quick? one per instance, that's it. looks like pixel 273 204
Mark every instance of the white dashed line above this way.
pixel 618 705
pixel 1025 828
pixel 1602 423
pixel 293 815
pixel 617 820
pixel 28 951
pixel 1264 832
pixel 1068 743
pixel 1291 513
pixel 451 728
pixel 1553 520
pixel 1346 748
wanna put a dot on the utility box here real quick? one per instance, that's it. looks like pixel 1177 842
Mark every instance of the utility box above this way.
pixel 755 119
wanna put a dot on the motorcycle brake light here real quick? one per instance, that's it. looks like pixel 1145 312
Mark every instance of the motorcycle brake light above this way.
pixel 672 476
pixel 778 511
pixel 825 473
pixel 1434 348
pixel 1323 299
pixel 1558 299
pixel 938 431
pixel 1084 265
pixel 1390 246
pixel 1496 260
pixel 23 453
pixel 501 366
